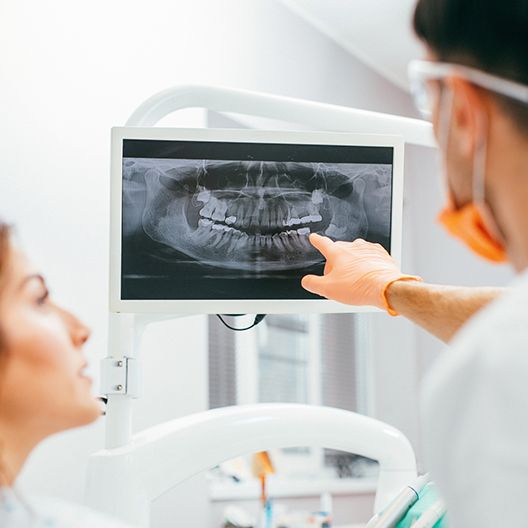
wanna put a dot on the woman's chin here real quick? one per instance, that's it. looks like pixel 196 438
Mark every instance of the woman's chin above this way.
pixel 89 407
pixel 87 411
pixel 93 410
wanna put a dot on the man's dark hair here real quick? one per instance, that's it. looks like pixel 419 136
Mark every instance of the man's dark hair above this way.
pixel 491 35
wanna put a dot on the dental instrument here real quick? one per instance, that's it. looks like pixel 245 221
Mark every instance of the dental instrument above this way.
pixel 432 516
pixel 262 467
pixel 422 510
pixel 395 511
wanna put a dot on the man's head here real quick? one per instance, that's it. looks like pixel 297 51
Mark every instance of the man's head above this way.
pixel 491 37
pixel 484 34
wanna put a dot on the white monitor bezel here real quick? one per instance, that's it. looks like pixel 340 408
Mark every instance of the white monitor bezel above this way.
pixel 213 306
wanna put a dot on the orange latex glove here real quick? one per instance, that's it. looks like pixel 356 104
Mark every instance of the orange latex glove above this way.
pixel 357 273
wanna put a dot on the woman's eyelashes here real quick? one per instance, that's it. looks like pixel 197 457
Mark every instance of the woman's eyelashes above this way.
pixel 43 298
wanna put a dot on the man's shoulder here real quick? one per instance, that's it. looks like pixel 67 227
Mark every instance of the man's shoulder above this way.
pixel 474 405
pixel 491 348
pixel 498 328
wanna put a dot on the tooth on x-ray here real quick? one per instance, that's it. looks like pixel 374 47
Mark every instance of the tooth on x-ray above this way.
pixel 254 215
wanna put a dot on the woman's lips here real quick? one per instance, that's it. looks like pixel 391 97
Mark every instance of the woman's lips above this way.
pixel 82 373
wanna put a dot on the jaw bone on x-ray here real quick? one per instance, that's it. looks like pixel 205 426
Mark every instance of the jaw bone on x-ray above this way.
pixel 247 219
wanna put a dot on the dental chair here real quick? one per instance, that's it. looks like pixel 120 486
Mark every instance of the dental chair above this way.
pixel 124 481
pixel 133 470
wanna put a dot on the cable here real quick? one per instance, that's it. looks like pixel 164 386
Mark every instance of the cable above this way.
pixel 258 318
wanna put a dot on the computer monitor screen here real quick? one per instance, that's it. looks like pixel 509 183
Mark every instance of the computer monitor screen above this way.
pixel 228 219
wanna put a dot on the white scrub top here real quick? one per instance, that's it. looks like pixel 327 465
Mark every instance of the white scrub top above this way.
pixel 475 416
pixel 28 512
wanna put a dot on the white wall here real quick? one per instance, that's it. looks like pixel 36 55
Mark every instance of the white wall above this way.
pixel 71 70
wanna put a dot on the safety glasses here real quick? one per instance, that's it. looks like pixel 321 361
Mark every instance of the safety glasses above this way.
pixel 421 72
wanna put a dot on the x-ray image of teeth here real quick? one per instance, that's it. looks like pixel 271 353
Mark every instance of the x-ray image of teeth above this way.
pixel 206 229
pixel 254 216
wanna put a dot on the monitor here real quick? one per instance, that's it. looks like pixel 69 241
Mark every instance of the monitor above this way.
pixel 217 221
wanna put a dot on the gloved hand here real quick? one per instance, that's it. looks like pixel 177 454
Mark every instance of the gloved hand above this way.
pixel 357 273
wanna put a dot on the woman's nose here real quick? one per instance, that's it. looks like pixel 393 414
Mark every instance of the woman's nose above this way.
pixel 79 332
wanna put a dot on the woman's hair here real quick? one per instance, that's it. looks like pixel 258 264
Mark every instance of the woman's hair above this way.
pixel 4 251
pixel 4 245
pixel 490 35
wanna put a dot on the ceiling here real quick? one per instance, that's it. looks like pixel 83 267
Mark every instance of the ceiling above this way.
pixel 377 32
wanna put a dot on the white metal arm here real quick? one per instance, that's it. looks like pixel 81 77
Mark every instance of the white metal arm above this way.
pixel 320 116
pixel 122 347
pixel 125 480
pixel 134 470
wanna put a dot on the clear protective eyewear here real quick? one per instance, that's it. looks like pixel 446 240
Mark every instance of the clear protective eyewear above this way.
pixel 422 71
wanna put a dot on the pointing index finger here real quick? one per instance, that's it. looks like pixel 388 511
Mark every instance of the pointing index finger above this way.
pixel 323 244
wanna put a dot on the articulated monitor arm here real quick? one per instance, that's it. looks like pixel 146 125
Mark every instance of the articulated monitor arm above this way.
pixel 319 116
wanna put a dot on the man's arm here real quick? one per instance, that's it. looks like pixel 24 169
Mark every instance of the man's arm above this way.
pixel 441 310
pixel 364 274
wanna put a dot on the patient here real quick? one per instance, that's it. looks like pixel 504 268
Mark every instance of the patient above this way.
pixel 43 388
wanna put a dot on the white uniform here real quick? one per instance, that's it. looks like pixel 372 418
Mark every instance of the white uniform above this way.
pixel 475 416
pixel 28 512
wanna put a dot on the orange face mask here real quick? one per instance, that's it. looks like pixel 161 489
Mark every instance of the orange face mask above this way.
pixel 473 223
pixel 467 225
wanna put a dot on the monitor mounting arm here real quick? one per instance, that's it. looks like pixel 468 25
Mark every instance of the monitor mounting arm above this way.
pixel 120 370
pixel 120 376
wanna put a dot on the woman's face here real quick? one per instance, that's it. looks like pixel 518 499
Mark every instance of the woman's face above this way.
pixel 42 385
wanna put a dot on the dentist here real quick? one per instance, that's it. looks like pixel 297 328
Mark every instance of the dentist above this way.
pixel 473 85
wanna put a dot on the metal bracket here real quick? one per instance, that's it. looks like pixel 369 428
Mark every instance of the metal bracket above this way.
pixel 120 376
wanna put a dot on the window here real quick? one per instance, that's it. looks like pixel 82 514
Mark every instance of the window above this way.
pixel 283 348
pixel 292 358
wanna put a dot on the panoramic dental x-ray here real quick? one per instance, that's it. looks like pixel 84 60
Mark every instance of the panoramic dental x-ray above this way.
pixel 206 227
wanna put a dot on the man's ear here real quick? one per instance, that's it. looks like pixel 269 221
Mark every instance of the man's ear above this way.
pixel 469 114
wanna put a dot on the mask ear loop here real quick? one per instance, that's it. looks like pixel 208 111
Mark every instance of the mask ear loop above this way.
pixel 446 112
pixel 479 182
pixel 479 165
